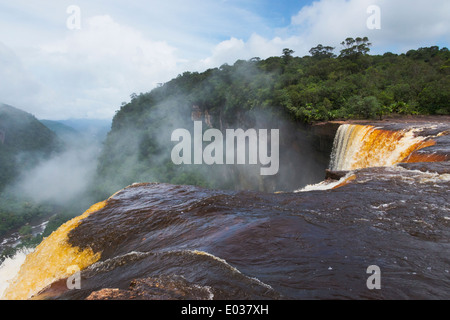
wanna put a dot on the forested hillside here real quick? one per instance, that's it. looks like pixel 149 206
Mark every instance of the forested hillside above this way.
pixel 318 87
pixel 24 141
pixel 270 93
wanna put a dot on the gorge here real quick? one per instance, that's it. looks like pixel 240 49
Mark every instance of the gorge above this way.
pixel 384 203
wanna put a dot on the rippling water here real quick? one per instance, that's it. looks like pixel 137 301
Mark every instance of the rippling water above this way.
pixel 248 245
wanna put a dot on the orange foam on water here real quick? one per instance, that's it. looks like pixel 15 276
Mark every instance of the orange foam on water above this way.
pixel 360 146
pixel 52 260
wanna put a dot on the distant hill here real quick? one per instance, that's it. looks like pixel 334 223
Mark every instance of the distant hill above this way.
pixel 79 132
pixel 66 133
pixel 23 142
pixel 93 128
pixel 58 127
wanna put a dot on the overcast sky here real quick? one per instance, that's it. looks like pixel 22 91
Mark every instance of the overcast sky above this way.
pixel 81 59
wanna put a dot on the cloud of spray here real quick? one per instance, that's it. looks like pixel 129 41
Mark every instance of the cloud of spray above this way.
pixel 139 149
pixel 63 178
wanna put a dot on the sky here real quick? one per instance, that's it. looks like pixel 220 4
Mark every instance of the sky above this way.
pixel 62 59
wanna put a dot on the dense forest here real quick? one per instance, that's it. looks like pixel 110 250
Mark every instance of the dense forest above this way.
pixel 27 144
pixel 318 87
pixel 273 92
pixel 286 91
pixel 24 142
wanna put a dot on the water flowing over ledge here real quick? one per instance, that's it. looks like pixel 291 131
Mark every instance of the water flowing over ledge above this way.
pixel 363 146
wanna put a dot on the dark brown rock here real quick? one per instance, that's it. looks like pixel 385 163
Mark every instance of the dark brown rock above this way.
pixel 334 175
pixel 155 288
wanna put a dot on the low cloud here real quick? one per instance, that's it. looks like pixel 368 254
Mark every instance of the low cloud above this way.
pixel 405 24
pixel 102 64
pixel 61 179
pixel 15 79
pixel 229 51
pixel 88 73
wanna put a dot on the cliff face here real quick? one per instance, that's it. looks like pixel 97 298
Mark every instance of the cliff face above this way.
pixel 145 143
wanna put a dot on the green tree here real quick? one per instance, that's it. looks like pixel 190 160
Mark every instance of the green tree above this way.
pixel 366 108
pixel 322 52
pixel 287 55
pixel 355 47
pixel 435 97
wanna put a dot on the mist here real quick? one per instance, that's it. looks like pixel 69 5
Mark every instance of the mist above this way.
pixel 139 147
pixel 64 177
pixel 61 179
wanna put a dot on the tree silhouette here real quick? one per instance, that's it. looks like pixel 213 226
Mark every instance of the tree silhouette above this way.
pixel 355 47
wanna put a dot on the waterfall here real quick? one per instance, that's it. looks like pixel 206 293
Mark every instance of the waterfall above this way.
pixel 50 261
pixel 363 146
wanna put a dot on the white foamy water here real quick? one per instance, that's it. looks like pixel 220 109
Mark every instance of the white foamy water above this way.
pixel 10 268
pixel 414 176
pixel 326 185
